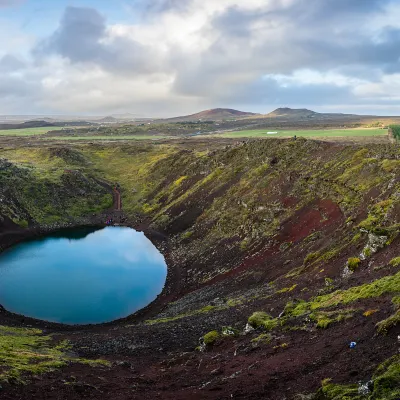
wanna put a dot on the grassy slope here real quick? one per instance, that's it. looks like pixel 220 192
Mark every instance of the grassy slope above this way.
pixel 38 187
pixel 239 194
pixel 236 200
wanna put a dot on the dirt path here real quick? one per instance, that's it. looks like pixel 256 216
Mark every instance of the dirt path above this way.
pixel 117 199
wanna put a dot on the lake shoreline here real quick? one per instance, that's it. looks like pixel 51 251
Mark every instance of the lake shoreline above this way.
pixel 12 237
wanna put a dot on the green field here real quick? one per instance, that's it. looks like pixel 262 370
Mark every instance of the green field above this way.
pixel 111 137
pixel 320 133
pixel 28 131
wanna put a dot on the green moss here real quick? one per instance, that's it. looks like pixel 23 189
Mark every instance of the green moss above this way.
pixel 203 310
pixel 390 165
pixel 186 235
pixel 376 217
pixel 330 391
pixel 384 326
pixel 329 255
pixel 395 262
pixel 324 323
pixel 258 319
pixel 311 257
pixel 207 309
pixel 262 319
pixel 295 272
pixel 326 318
pixel 244 244
pixel 396 302
pixel 328 282
pixel 211 337
pixel 264 338
pixel 368 313
pixel 179 181
pixel 386 385
pixel 356 238
pixel 353 263
pixel 385 285
pixel 387 380
pixel 287 289
pixel 367 252
pixel 25 352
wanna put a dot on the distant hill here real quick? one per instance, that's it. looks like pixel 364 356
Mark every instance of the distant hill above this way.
pixel 215 114
pixel 28 124
pixel 292 113
pixel 304 113
pixel 108 120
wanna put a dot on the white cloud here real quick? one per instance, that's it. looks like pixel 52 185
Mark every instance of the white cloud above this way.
pixel 203 53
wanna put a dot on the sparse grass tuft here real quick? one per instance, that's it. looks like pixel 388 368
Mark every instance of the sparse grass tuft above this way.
pixel 368 313
pixel 353 263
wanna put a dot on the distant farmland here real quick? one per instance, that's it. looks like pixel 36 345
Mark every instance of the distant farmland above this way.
pixel 109 137
pixel 320 133
pixel 28 131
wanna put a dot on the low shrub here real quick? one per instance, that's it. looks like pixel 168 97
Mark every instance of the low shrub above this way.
pixel 353 263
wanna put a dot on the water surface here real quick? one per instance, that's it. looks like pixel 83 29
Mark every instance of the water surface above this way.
pixel 82 276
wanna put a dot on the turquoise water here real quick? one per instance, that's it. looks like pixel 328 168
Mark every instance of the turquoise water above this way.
pixel 83 276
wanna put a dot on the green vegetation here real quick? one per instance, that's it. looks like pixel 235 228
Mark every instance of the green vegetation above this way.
pixel 321 133
pixel 311 257
pixel 353 263
pixel 330 391
pixel 211 337
pixel 395 262
pixel 377 288
pixel 48 186
pixel 203 310
pixel 396 131
pixel 28 131
pixel 326 318
pixel 262 319
pixel 264 338
pixel 396 302
pixel 108 138
pixel 376 217
pixel 287 289
pixel 368 313
pixel 385 385
pixel 25 352
pixel 149 130
pixel 384 326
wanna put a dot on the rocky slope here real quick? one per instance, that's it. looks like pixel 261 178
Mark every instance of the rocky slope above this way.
pixel 281 253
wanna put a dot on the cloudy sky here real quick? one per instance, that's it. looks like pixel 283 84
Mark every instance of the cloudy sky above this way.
pixel 172 57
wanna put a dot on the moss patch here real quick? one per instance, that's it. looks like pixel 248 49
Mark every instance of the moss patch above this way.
pixel 25 352
pixel 353 263
pixel 386 385
pixel 262 319
pixel 211 337
pixel 388 284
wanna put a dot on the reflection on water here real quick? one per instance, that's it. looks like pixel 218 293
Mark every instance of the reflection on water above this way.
pixel 74 234
pixel 82 276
